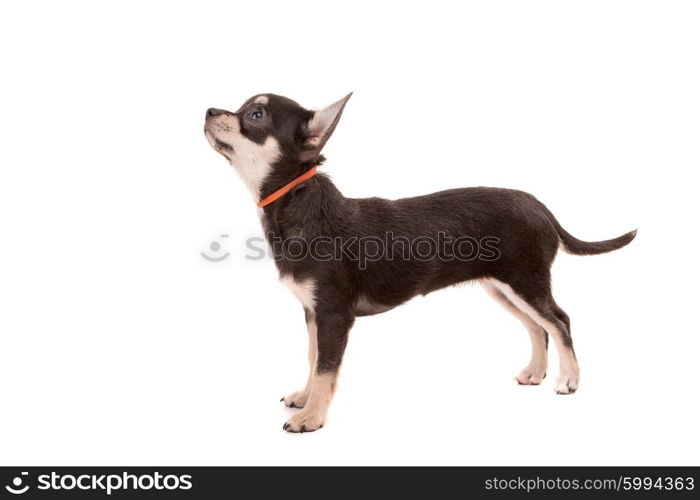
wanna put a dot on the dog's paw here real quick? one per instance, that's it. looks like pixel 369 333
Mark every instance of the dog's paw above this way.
pixel 296 400
pixel 304 422
pixel 531 376
pixel 566 383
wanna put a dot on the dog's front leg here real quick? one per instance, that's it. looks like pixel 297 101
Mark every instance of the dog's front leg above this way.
pixel 299 399
pixel 332 330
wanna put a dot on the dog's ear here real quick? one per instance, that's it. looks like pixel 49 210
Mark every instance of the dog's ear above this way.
pixel 320 127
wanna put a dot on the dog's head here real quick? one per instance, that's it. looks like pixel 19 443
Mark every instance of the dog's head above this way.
pixel 271 136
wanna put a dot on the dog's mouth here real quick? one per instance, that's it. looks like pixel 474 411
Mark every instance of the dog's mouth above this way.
pixel 223 147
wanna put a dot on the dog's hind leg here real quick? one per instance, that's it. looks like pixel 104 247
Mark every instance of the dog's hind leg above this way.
pixel 535 371
pixel 534 296
pixel 332 336
pixel 298 399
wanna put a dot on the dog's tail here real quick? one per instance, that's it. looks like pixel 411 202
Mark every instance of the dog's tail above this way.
pixel 575 246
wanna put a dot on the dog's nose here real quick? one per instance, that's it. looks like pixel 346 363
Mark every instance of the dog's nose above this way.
pixel 214 112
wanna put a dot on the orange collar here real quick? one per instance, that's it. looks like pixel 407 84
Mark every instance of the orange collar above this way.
pixel 287 187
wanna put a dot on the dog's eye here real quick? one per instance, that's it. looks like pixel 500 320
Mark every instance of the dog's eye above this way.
pixel 256 114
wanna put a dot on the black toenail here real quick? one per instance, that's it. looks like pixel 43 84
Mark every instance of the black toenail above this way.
pixel 292 405
pixel 285 426
pixel 303 428
pixel 281 399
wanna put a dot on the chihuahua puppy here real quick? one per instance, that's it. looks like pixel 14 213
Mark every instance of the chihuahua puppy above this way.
pixel 345 257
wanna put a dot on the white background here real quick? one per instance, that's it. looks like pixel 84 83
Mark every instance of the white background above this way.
pixel 120 344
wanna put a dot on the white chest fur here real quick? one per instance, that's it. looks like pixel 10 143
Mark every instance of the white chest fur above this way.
pixel 304 290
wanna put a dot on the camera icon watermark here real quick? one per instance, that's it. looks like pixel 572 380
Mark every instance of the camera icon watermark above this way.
pixel 215 247
pixel 17 488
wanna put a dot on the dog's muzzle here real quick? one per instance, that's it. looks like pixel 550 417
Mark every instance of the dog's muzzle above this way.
pixel 214 112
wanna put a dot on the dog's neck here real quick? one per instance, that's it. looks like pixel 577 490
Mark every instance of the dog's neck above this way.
pixel 285 172
pixel 307 210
